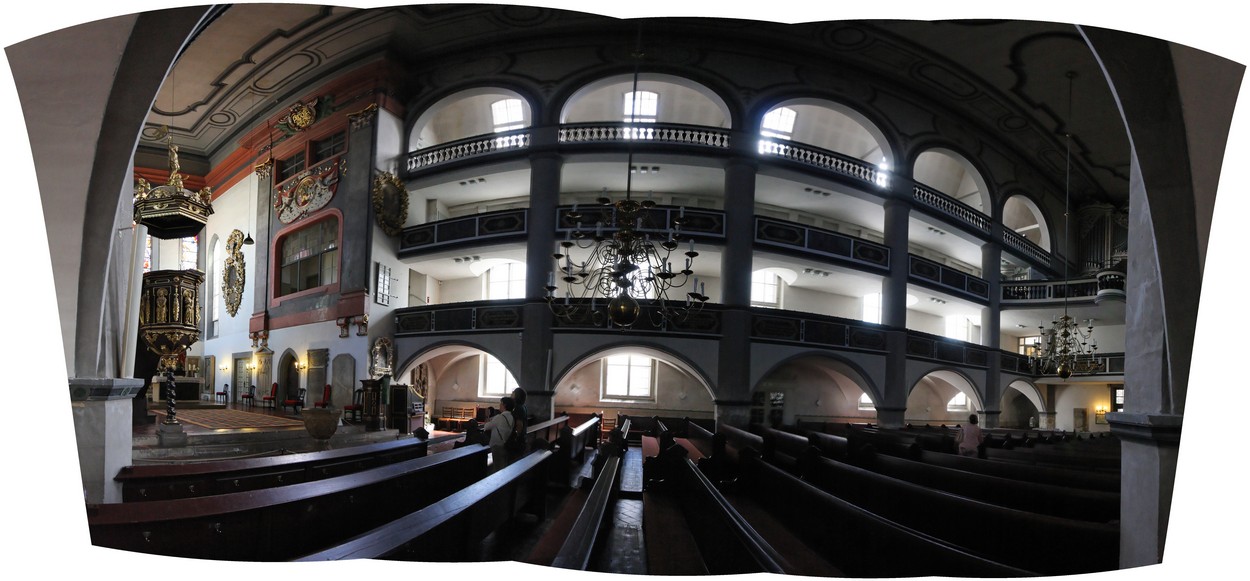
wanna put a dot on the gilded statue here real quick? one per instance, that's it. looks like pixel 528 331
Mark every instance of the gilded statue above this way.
pixel 161 299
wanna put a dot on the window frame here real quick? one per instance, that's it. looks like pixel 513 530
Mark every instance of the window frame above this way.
pixel 490 283
pixel 774 283
pixel 951 406
pixel 652 375
pixel 775 132
pixel 487 362
pixel 508 123
pixel 650 102
pixel 276 295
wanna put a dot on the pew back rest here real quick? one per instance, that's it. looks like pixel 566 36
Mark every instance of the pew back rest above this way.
pixel 1062 501
pixel 165 482
pixel 452 527
pixel 859 542
pixel 1087 479
pixel 1087 547
pixel 287 521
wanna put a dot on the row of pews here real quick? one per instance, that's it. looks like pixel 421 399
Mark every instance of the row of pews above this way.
pixel 874 502
pixel 389 500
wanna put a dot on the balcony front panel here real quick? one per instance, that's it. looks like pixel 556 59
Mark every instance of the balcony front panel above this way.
pixel 944 278
pixel 1042 292
pixel 774 326
pixel 491 227
pixel 480 316
pixel 589 316
pixel 824 245
pixel 701 224
pixel 926 346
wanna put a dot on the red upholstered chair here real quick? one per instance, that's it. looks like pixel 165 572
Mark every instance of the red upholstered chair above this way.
pixel 267 401
pixel 249 398
pixel 325 399
pixel 295 403
pixel 224 394
pixel 357 407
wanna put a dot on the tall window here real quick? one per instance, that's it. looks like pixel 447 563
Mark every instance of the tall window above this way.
pixel 309 257
pixel 959 403
pixel 872 308
pixel 507 115
pixel 647 107
pixel 1027 346
pixel 147 253
pixel 1117 404
pixel 628 376
pixel 219 266
pixel 779 123
pixel 506 281
pixel 188 253
pixel 765 289
pixel 496 381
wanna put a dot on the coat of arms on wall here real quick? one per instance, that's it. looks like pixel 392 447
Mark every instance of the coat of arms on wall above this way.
pixel 306 194
pixel 234 274
pixel 390 203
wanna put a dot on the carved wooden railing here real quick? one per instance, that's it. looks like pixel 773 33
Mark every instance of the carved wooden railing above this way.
pixel 830 161
pixel 1110 363
pixel 824 244
pixel 468 148
pixel 950 207
pixel 667 133
pixel 1025 246
pixel 1107 284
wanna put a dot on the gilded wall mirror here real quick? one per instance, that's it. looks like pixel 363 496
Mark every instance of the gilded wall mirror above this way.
pixel 390 203
pixel 234 275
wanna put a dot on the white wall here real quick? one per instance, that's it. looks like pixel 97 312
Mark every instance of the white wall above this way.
pixel 676 395
pixel 1082 395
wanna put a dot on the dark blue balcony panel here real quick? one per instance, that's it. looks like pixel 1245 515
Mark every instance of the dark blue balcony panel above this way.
pixel 700 224
pixel 825 245
pixel 946 279
pixel 490 227
pixel 460 318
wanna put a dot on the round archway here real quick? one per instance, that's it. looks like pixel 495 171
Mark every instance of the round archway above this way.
pixel 634 380
pixel 812 389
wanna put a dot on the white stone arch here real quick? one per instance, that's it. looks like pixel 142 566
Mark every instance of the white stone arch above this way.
pixel 837 127
pixel 447 375
pixel 1022 215
pixel 954 175
pixel 681 101
pixel 461 115
pixel 561 381
pixel 1020 388
pixel 845 381
pixel 927 398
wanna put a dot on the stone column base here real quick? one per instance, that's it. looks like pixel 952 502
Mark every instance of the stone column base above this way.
pixel 104 429
pixel 170 435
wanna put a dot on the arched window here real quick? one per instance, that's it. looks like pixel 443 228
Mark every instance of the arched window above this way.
pixel 779 123
pixel 309 257
pixel 507 114
pixel 188 253
pixel 628 376
pixel 959 403
pixel 496 380
pixel 641 106
pixel 865 402
pixel 214 310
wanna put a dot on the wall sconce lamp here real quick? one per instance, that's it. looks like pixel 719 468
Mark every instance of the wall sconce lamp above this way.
pixel 1100 414
pixel 300 366
pixel 224 368
pixel 250 366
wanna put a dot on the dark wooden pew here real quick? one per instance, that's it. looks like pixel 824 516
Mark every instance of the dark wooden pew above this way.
pixel 164 482
pixel 284 522
pixel 582 535
pixel 452 528
pixel 976 526
pixel 856 541
pixel 737 442
pixel 1088 479
pixel 545 434
pixel 1051 499
pixel 570 449
pixel 690 528
pixel 783 448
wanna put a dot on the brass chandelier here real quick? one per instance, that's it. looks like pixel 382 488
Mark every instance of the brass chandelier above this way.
pixel 1068 346
pixel 619 263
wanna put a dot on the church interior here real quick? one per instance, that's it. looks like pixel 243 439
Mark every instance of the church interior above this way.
pixel 751 285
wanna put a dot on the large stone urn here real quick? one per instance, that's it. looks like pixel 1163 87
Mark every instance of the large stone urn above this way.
pixel 321 423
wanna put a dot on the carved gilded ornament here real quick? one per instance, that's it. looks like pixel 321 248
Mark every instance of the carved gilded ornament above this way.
pixel 301 115
pixel 307 194
pixel 171 211
pixel 381 358
pixel 234 274
pixel 390 203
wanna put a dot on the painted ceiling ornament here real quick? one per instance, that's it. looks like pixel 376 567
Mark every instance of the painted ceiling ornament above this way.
pixel 234 274
pixel 390 203
pixel 307 194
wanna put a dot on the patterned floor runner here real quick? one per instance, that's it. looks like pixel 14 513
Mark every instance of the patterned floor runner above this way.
pixel 231 419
